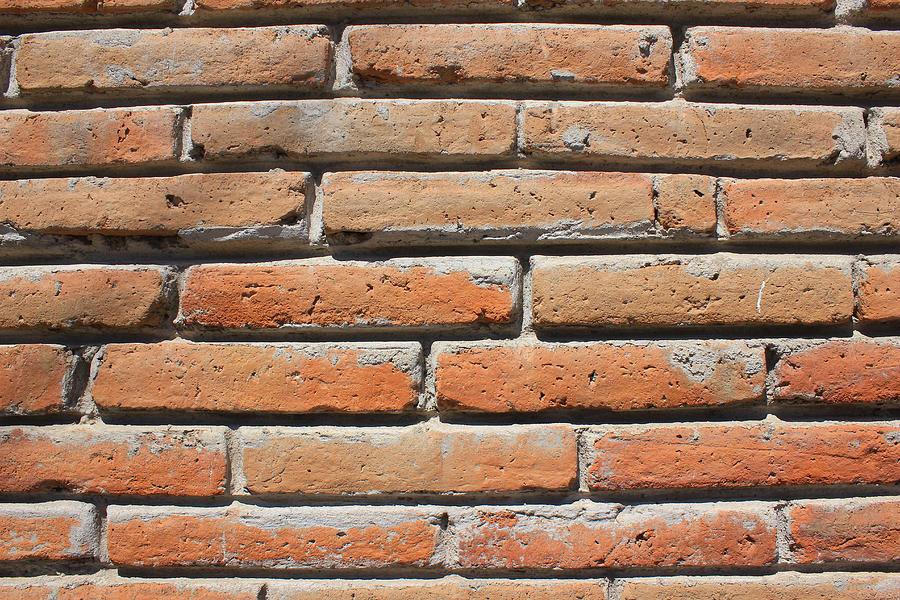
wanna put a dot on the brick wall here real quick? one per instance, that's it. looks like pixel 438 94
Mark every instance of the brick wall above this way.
pixel 450 299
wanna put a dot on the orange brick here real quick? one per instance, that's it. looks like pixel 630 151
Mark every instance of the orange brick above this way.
pixel 114 460
pixel 118 59
pixel 278 538
pixel 715 290
pixel 26 7
pixel 449 588
pixel 380 5
pixel 26 590
pixel 859 530
pixel 496 378
pixel 48 531
pixel 878 289
pixel 421 458
pixel 82 296
pixel 880 5
pixel 685 204
pixel 153 205
pixel 33 378
pixel 884 135
pixel 510 53
pixel 280 378
pixel 588 535
pixel 670 456
pixel 727 8
pixel 180 589
pixel 328 293
pixel 88 137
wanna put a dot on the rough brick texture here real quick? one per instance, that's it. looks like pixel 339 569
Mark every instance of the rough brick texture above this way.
pixel 33 378
pixel 784 586
pixel 449 588
pixel 48 531
pixel 878 289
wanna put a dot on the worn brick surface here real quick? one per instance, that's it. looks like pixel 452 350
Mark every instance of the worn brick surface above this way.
pixel 448 588
pixel 685 204
pixel 48 531
pixel 32 378
pixel 105 586
pixel 27 7
pixel 878 289
pixel 214 5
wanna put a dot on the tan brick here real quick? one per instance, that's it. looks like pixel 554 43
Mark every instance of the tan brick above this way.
pixel 589 535
pixel 511 54
pixel 26 7
pixel 685 204
pixel 878 289
pixel 612 376
pixel 821 207
pixel 328 293
pixel 88 137
pixel 32 378
pixel 117 59
pixel 716 290
pixel 277 538
pixel 358 128
pixel 691 133
pixel 421 458
pixel 448 588
pixel 884 135
pixel 155 591
pixel 108 459
pixel 48 531
pixel 741 455
pixel 81 296
pixel 278 378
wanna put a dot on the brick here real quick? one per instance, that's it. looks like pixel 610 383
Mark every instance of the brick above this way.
pixel 121 59
pixel 82 296
pixel 839 372
pixel 517 54
pixel 692 133
pixel 278 538
pixel 420 458
pixel 48 531
pixel 26 590
pixel 698 8
pixel 178 589
pixel 447 588
pixel 878 289
pixel 329 293
pixel 357 128
pixel 88 137
pixel 859 530
pixel 883 5
pixel 810 60
pixel 490 5
pixel 33 378
pixel 26 7
pixel 115 460
pixel 589 535
pixel 273 378
pixel 610 376
pixel 729 290
pixel 883 135
pixel 153 205
pixel 781 586
pixel 811 207
pixel 685 204
pixel 742 455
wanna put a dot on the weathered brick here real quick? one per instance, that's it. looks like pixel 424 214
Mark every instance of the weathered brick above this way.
pixel 859 530
pixel 588 535
pixel 355 127
pixel 329 293
pixel 381 5
pixel 105 586
pixel 814 60
pixel 109 459
pixel 48 531
pixel 33 378
pixel 88 137
pixel 510 53
pixel 715 290
pixel 118 59
pixel 727 8
pixel 26 7
pixel 839 372
pixel 448 588
pixel 811 207
pixel 611 376
pixel 883 135
pixel 25 590
pixel 883 5
pixel 82 296
pixel 878 289
pixel 421 458
pixel 690 133
pixel 278 378
pixel 685 204
pixel 741 455
pixel 279 538
pixel 153 205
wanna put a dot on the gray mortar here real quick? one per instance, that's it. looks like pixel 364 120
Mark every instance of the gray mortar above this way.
pixel 877 146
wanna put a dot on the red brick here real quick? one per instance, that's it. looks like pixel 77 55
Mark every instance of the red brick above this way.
pixel 587 535
pixel 280 378
pixel 839 372
pixel 878 290
pixel 685 204
pixel 880 5
pixel 48 531
pixel 421 458
pixel 26 7
pixel 88 137
pixel 701 8
pixel 191 57
pixel 723 456
pixel 328 293
pixel 495 378
pixel 510 53
pixel 380 5
pixel 756 58
pixel 26 591
pixel 82 296
pixel 357 128
pixel 119 589
pixel 713 290
pixel 448 588
pixel 859 530
pixel 115 460
pixel 693 133
pixel 153 205
pixel 32 378
pixel 821 207
pixel 278 538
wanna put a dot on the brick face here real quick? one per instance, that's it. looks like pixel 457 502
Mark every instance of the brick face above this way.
pixel 32 378
pixel 47 531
